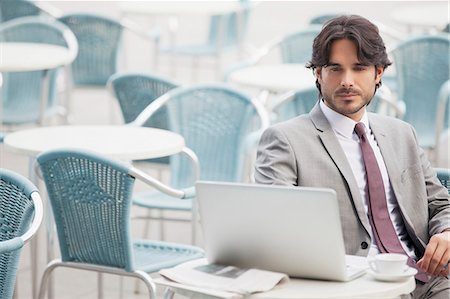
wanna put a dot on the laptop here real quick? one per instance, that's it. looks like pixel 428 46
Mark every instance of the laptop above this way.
pixel 293 230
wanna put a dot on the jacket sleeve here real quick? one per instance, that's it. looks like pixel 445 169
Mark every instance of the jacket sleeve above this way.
pixel 437 197
pixel 275 161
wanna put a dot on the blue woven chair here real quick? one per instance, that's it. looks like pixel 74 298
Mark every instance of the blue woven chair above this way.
pixel 226 32
pixel 99 39
pixel 12 9
pixel 100 43
pixel 294 103
pixel 134 92
pixel 22 105
pixel 443 175
pixel 90 197
pixel 422 65
pixel 21 214
pixel 216 122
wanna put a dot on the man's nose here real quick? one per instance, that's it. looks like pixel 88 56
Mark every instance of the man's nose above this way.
pixel 347 80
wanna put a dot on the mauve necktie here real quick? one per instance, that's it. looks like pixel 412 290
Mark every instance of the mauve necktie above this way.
pixel 382 227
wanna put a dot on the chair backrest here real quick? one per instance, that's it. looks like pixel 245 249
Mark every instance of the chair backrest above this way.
pixel 19 205
pixel 12 9
pixel 214 121
pixel 294 103
pixel 135 91
pixel 296 47
pixel 422 65
pixel 90 197
pixel 99 41
pixel 21 105
pixel 232 27
pixel 443 175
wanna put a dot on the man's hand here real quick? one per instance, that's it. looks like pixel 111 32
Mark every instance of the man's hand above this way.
pixel 437 255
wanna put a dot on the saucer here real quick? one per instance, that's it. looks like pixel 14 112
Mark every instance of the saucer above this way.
pixel 393 277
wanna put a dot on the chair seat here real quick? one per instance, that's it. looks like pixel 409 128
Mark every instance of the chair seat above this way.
pixel 152 256
pixel 158 200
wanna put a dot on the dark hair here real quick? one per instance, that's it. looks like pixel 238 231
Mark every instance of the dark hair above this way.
pixel 360 31
pixel 363 33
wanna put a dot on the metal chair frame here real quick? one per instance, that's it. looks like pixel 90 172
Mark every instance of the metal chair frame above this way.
pixel 17 242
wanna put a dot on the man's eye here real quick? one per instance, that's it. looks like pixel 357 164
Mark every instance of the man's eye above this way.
pixel 359 68
pixel 335 69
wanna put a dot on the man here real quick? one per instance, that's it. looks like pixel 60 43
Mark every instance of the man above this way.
pixel 375 167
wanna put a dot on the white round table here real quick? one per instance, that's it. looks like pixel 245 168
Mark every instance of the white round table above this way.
pixel 25 57
pixel 363 287
pixel 274 78
pixel 121 142
pixel 425 15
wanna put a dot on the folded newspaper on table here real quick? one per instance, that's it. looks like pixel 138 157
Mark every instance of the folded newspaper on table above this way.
pixel 200 274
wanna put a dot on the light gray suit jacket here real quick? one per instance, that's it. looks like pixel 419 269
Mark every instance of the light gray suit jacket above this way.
pixel 304 151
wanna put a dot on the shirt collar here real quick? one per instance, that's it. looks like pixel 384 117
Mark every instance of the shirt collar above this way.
pixel 342 124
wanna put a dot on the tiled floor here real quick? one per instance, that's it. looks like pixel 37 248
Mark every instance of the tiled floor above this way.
pixel 91 107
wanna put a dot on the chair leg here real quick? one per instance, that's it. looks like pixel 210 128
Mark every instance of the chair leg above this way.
pixel 121 288
pixel 148 282
pixel 194 220
pixel 16 290
pixel 45 277
pixel 100 285
pixel 145 236
pixel 168 293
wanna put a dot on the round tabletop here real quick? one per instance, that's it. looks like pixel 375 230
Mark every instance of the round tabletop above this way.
pixel 425 14
pixel 122 142
pixel 363 287
pixel 274 77
pixel 180 8
pixel 25 57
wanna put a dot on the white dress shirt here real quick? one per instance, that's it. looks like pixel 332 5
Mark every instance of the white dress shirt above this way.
pixel 344 128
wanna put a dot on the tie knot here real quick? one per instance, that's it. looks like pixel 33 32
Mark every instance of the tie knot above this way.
pixel 360 129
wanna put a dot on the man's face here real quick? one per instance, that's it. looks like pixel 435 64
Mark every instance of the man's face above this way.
pixel 347 85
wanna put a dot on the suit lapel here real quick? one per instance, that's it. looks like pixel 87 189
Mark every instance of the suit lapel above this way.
pixel 334 149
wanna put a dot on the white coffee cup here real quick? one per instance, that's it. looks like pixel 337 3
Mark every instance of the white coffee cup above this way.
pixel 389 263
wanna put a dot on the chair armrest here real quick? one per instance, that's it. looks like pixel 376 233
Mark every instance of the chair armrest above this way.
pixel 444 96
pixel 38 215
pixel 185 193
pixel 143 117
pixel 387 97
pixel 11 245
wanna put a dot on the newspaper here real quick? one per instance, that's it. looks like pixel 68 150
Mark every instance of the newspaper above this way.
pixel 199 273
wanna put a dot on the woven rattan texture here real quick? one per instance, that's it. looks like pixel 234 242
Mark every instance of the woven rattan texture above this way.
pixel 15 216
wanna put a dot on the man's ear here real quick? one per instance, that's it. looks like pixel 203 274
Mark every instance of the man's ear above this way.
pixel 379 70
pixel 318 73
